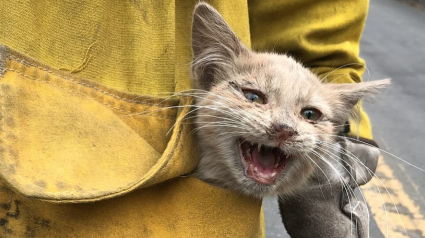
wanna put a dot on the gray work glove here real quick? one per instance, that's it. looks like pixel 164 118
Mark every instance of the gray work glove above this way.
pixel 327 209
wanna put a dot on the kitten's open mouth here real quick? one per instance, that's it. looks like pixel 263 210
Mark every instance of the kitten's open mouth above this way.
pixel 262 164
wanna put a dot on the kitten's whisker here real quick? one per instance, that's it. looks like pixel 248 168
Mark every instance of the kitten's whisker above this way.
pixel 204 92
pixel 170 95
pixel 352 156
pixel 197 108
pixel 348 190
pixel 147 112
pixel 333 168
pixel 232 133
pixel 359 162
pixel 217 125
pixel 183 106
pixel 336 79
pixel 345 186
pixel 203 97
pixel 343 66
pixel 334 156
pixel 348 153
pixel 232 103
pixel 386 152
pixel 229 112
pixel 311 160
pixel 329 181
pixel 213 116
pixel 221 125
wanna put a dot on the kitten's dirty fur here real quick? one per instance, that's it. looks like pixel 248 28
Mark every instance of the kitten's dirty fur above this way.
pixel 221 68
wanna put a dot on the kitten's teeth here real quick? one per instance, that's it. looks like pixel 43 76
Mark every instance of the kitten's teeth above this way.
pixel 286 156
pixel 255 169
pixel 276 165
pixel 273 174
pixel 259 147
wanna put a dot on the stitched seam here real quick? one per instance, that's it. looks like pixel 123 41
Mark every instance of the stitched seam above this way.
pixel 178 145
pixel 75 93
pixel 22 61
pixel 2 112
pixel 80 94
pixel 3 121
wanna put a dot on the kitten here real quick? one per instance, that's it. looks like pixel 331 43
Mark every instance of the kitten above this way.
pixel 261 117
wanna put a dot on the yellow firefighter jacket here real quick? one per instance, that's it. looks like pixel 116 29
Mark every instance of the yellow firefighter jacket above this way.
pixel 90 148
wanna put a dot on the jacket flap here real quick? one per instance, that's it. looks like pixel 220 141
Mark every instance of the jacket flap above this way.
pixel 68 139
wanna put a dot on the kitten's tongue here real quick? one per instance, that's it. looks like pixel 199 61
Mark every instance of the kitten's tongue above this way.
pixel 263 160
pixel 263 165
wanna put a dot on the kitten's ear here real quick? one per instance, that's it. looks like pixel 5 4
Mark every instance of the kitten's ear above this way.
pixel 350 94
pixel 215 46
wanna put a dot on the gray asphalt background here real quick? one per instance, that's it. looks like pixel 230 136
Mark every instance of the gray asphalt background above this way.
pixel 393 45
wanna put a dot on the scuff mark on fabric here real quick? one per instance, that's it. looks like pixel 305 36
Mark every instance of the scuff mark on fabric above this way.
pixel 42 222
pixel 40 183
pixel 84 63
pixel 14 214
pixel 3 55
pixel 7 207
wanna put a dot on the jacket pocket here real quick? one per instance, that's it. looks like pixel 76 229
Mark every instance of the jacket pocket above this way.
pixel 67 139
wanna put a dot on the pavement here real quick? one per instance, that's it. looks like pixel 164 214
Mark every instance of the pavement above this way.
pixel 393 45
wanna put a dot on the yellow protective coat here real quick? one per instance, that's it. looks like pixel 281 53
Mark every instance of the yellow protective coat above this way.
pixel 90 148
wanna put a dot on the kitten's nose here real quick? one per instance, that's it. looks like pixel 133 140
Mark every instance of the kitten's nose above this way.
pixel 284 132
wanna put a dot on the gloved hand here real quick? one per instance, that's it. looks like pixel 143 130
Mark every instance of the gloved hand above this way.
pixel 328 206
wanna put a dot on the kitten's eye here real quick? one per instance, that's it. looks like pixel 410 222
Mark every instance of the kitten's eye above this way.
pixel 311 114
pixel 254 96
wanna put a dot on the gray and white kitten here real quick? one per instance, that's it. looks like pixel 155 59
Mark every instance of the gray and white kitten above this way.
pixel 262 119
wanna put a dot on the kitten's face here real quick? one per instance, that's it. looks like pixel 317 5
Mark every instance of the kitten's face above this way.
pixel 257 128
pixel 263 119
